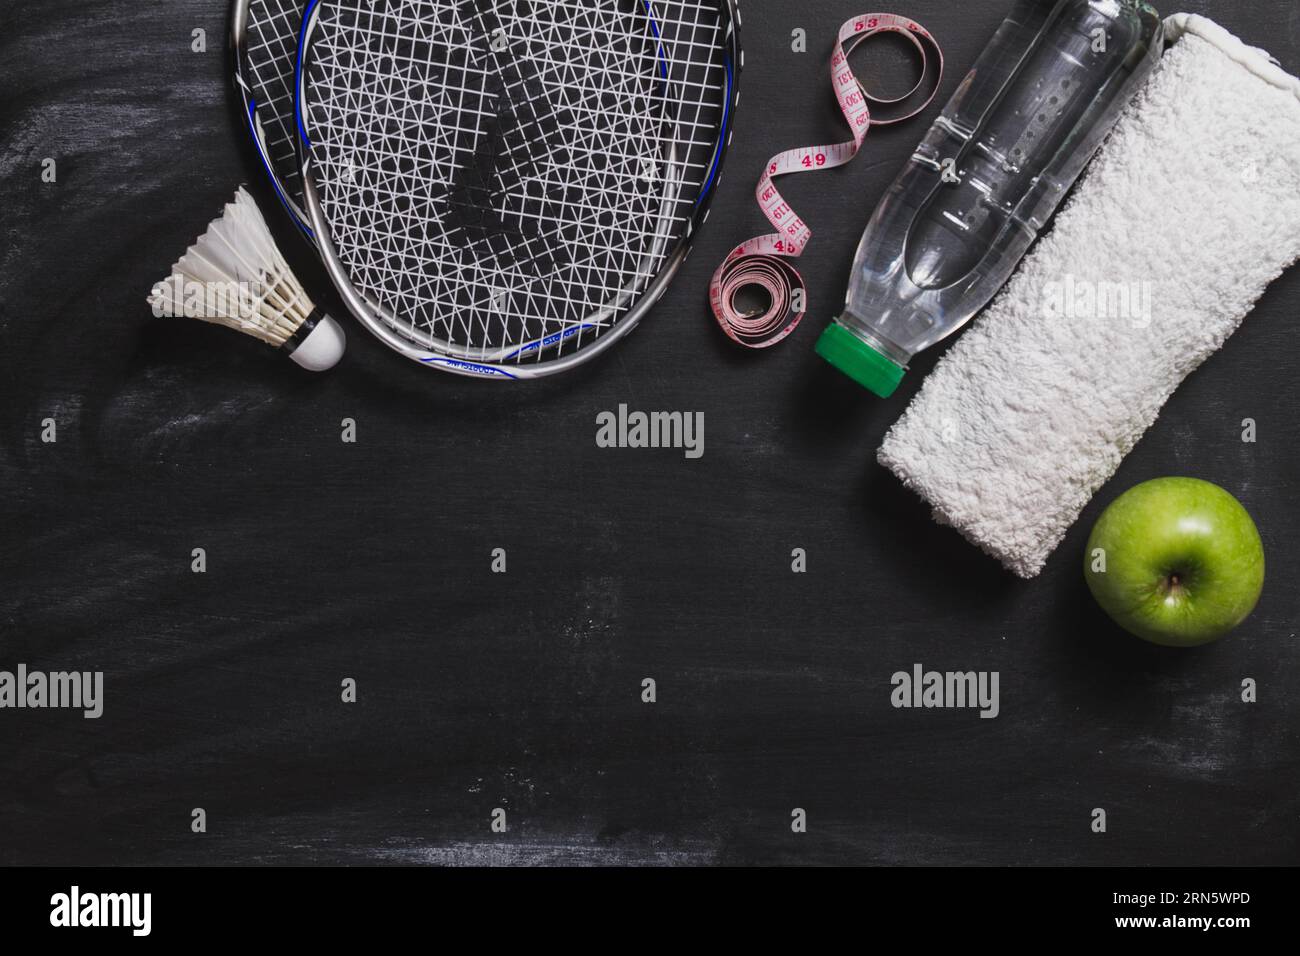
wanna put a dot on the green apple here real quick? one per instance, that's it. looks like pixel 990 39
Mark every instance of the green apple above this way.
pixel 1176 561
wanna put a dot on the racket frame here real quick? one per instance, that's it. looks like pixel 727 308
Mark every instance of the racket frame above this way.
pixel 243 78
pixel 382 324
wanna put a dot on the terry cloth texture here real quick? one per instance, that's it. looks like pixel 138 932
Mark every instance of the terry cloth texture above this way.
pixel 1187 214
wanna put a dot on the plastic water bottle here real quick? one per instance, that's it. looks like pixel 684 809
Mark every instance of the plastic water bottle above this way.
pixel 993 168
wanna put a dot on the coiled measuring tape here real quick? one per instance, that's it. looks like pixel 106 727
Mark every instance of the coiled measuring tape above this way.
pixel 763 261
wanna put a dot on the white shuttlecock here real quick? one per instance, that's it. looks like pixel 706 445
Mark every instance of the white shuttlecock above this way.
pixel 235 276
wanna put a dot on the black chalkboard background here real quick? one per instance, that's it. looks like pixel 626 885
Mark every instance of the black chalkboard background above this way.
pixel 521 691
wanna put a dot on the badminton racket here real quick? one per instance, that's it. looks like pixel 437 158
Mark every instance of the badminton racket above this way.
pixel 503 188
pixel 264 40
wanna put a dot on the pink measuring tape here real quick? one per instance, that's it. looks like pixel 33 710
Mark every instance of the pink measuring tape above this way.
pixel 762 261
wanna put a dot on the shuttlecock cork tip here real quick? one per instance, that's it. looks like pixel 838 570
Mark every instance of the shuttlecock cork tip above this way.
pixel 320 349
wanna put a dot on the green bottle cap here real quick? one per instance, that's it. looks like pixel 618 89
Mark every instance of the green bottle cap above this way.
pixel 859 361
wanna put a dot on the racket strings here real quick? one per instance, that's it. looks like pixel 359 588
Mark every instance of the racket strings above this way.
pixel 271 40
pixel 497 174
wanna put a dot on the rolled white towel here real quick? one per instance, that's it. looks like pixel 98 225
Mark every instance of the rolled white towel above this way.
pixel 1190 210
